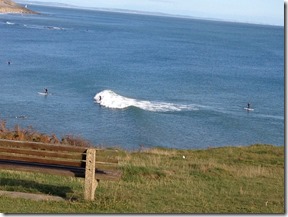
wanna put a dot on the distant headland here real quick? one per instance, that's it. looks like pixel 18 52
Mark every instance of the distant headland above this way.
pixel 8 6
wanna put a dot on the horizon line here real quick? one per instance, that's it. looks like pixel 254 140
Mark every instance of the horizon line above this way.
pixel 139 12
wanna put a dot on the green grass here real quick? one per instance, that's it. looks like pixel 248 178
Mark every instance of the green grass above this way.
pixel 216 180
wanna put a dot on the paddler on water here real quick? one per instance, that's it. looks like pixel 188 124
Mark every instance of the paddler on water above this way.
pixel 248 105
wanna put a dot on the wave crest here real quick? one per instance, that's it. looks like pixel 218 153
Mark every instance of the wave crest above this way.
pixel 110 99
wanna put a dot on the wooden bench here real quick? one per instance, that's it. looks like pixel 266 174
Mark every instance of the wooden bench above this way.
pixel 89 163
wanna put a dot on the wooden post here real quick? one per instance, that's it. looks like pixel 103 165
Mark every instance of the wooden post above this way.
pixel 90 181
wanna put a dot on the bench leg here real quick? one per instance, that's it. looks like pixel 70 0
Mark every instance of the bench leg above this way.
pixel 90 181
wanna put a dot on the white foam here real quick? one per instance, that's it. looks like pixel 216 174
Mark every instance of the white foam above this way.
pixel 9 23
pixel 32 26
pixel 110 99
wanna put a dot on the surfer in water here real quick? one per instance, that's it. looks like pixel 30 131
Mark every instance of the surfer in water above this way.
pixel 100 98
pixel 248 105
pixel 46 91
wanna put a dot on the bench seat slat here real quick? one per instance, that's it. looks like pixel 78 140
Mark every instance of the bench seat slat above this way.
pixel 58 170
pixel 55 161
pixel 108 175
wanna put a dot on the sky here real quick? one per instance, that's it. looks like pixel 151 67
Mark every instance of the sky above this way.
pixel 249 11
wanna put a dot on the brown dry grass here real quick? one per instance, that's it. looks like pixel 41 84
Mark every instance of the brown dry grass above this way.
pixel 30 134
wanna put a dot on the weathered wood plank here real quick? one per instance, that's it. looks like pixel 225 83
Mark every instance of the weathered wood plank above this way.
pixel 104 166
pixel 105 153
pixel 57 161
pixel 42 169
pixel 56 154
pixel 42 160
pixel 40 153
pixel 39 145
pixel 99 174
pixel 108 175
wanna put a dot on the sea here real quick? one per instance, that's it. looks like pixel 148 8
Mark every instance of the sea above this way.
pixel 132 80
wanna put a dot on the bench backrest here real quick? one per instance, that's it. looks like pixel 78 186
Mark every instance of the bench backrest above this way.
pixel 35 152
pixel 57 155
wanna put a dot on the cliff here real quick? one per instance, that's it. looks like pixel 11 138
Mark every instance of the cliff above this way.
pixel 8 6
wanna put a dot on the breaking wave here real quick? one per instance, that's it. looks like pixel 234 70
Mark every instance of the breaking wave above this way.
pixel 110 99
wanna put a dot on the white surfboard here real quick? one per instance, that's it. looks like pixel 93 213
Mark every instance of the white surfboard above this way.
pixel 249 109
pixel 44 94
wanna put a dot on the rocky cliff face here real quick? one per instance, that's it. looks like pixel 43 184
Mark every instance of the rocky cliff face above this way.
pixel 8 6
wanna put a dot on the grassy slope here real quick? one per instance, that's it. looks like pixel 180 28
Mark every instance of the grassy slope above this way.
pixel 219 180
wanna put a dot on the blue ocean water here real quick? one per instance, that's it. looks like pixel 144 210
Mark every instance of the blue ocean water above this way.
pixel 163 81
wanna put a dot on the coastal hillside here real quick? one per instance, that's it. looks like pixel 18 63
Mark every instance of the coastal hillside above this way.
pixel 7 6
pixel 229 180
